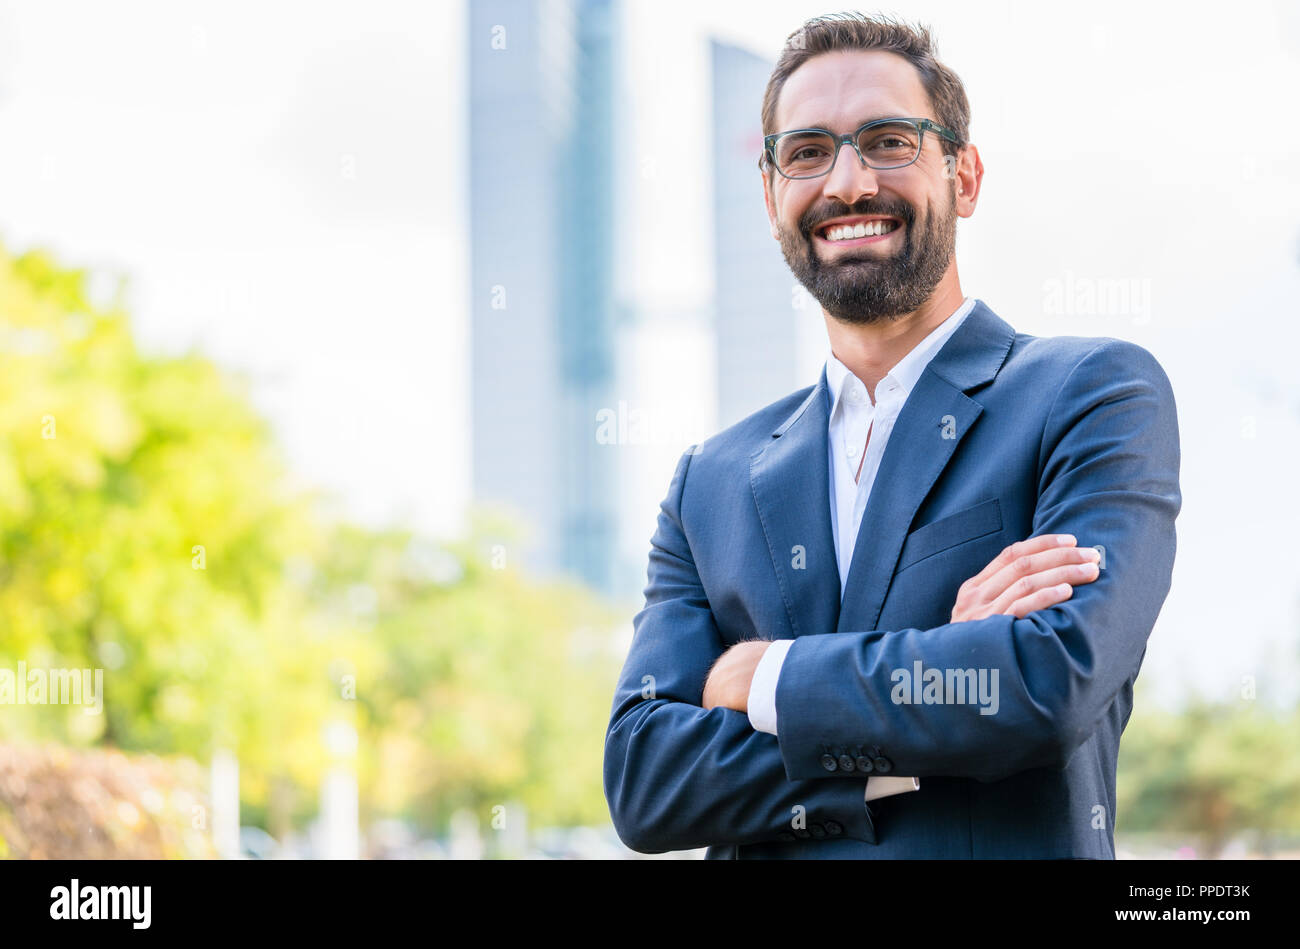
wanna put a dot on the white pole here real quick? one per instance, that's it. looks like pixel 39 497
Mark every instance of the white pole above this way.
pixel 339 812
pixel 339 815
pixel 466 843
pixel 225 804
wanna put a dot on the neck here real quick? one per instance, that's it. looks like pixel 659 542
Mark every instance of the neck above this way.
pixel 869 351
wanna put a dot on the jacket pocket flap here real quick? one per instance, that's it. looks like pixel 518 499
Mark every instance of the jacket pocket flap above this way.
pixel 937 536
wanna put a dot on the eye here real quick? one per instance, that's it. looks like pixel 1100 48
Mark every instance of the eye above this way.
pixel 808 151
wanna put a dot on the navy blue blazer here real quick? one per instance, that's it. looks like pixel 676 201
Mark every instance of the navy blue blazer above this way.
pixel 1005 436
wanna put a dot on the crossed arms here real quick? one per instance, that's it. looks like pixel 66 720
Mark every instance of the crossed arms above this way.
pixel 681 776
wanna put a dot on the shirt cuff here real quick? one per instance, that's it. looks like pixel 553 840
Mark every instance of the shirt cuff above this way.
pixel 888 786
pixel 762 688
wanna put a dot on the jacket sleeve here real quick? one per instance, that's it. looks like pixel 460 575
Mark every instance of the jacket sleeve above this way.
pixel 678 777
pixel 1108 464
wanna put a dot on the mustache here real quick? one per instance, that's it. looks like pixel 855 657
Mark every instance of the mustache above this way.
pixel 816 217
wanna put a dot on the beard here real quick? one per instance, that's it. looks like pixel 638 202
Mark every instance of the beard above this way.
pixel 861 285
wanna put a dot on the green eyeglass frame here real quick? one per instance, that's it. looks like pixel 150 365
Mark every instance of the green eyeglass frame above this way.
pixel 922 126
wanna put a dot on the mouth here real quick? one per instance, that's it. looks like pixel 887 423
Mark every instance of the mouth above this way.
pixel 856 231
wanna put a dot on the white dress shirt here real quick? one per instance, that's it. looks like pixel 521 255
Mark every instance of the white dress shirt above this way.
pixel 852 416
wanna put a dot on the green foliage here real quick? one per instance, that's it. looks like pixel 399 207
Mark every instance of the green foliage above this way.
pixel 479 688
pixel 148 527
pixel 143 524
pixel 1214 769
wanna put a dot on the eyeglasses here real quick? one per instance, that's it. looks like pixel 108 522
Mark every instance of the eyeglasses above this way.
pixel 884 143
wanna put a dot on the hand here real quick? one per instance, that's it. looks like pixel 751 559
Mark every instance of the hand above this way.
pixel 1029 575
pixel 729 679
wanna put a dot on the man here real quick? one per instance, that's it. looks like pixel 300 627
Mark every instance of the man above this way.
pixel 899 613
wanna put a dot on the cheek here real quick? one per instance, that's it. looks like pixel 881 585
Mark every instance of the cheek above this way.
pixel 791 206
pixel 787 219
pixel 929 209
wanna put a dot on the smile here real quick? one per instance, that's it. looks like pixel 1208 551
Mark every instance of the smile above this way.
pixel 852 233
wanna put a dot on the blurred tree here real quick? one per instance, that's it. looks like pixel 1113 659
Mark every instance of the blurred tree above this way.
pixel 148 527
pixel 1216 770
pixel 144 527
pixel 478 688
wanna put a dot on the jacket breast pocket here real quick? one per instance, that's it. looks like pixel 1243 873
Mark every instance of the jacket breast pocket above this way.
pixel 937 536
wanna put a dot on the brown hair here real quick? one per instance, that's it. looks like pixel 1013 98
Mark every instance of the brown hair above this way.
pixel 853 31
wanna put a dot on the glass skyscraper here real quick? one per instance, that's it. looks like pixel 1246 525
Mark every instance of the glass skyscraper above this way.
pixel 542 139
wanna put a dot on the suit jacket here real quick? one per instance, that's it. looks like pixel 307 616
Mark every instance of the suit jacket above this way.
pixel 1005 436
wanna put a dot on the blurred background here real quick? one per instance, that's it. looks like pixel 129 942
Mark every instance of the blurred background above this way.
pixel 346 353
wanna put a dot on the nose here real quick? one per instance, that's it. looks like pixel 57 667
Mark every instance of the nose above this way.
pixel 850 180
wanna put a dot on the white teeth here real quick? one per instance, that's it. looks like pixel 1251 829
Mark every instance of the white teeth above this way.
pixel 867 229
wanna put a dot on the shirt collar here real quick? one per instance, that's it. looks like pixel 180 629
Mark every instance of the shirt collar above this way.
pixel 908 369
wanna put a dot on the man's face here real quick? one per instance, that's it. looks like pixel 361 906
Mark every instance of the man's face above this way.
pixel 869 279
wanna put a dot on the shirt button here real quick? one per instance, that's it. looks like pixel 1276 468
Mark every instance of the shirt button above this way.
pixel 852 451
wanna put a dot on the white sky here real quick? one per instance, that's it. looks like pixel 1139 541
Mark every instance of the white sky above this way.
pixel 269 177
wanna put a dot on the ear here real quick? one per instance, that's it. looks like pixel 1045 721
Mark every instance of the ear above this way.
pixel 968 170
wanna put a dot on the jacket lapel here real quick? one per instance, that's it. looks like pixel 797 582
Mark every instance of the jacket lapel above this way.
pixel 935 418
pixel 791 483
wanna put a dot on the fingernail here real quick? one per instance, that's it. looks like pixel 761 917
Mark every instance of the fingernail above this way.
pixel 1066 540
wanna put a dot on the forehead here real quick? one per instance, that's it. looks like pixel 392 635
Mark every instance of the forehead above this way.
pixel 843 89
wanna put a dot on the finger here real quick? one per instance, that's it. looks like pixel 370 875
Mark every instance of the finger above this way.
pixel 1030 564
pixel 1045 579
pixel 1019 549
pixel 1040 600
